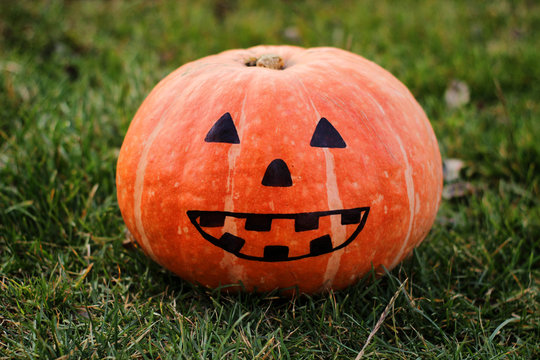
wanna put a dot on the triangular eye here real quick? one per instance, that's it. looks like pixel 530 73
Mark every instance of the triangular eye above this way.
pixel 326 136
pixel 223 131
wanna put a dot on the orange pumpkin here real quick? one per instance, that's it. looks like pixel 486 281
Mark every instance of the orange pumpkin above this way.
pixel 278 166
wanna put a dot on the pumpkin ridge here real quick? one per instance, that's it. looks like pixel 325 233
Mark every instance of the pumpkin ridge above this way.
pixel 333 197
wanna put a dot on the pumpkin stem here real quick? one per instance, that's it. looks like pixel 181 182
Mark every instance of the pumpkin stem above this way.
pixel 269 61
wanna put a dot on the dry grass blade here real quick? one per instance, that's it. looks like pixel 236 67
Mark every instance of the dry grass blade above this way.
pixel 381 320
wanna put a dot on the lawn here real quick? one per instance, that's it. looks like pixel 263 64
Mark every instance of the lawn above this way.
pixel 72 75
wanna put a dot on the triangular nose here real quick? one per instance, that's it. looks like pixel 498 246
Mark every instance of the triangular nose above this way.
pixel 277 174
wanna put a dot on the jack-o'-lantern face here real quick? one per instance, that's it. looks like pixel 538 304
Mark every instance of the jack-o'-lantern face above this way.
pixel 210 223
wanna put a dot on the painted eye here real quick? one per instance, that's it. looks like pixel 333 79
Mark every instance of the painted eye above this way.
pixel 223 131
pixel 326 136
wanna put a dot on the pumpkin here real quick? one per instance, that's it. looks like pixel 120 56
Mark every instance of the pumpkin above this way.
pixel 279 166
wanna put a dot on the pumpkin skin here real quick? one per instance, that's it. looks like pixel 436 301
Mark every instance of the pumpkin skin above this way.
pixel 222 179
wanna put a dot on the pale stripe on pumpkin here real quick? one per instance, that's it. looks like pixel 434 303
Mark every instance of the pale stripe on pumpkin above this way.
pixel 334 203
pixel 410 195
pixel 230 261
pixel 338 231
pixel 139 187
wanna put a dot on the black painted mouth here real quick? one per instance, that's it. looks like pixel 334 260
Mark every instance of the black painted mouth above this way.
pixel 263 222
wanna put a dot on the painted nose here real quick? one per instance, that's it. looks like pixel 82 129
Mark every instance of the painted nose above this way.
pixel 277 174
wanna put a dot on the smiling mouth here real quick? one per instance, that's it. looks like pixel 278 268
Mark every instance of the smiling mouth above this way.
pixel 263 223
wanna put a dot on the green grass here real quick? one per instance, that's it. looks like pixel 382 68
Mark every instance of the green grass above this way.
pixel 72 75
